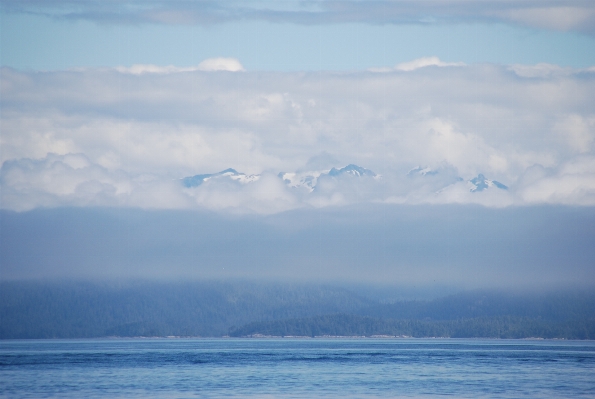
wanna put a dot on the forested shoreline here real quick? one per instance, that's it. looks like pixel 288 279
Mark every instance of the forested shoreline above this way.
pixel 38 310
pixel 505 327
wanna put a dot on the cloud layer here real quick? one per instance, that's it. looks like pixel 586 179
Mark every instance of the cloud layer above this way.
pixel 208 65
pixel 126 136
pixel 560 15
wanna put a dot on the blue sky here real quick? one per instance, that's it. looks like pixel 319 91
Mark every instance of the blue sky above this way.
pixel 40 42
pixel 483 110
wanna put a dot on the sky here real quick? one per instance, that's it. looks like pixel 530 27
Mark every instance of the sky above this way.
pixel 468 124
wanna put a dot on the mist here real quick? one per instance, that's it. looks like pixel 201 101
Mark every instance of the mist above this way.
pixel 461 247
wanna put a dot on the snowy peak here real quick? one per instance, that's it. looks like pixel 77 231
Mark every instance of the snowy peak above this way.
pixel 197 180
pixel 419 171
pixel 309 180
pixel 480 183
pixel 449 176
pixel 353 170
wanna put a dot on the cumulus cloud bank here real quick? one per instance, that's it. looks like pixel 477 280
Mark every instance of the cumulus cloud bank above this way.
pixel 210 64
pixel 424 62
pixel 418 63
pixel 127 137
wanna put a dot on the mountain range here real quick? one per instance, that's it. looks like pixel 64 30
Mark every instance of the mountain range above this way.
pixel 232 174
pixel 480 183
pixel 308 180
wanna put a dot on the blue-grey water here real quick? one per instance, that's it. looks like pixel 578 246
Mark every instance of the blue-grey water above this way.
pixel 297 368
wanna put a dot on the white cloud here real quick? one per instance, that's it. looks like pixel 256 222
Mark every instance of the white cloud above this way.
pixel 221 64
pixel 158 147
pixel 572 183
pixel 561 17
pixel 139 69
pixel 72 179
pixel 440 140
pixel 416 64
pixel 542 70
pixel 266 195
pixel 425 62
pixel 578 132
pixel 56 180
pixel 208 65
pixel 459 121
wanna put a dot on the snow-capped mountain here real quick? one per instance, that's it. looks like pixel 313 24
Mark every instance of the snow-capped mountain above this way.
pixel 232 174
pixel 480 183
pixel 353 170
pixel 420 171
pixel 308 180
pixel 447 176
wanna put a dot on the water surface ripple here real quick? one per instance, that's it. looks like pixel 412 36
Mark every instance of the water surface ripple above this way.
pixel 297 368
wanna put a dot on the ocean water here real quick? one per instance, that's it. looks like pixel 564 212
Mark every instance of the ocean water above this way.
pixel 297 368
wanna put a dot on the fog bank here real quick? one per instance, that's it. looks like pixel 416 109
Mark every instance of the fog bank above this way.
pixel 460 246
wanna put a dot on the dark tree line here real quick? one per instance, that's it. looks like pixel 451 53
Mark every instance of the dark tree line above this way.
pixel 85 310
pixel 480 327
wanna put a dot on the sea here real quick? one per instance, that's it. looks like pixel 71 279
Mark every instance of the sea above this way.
pixel 297 368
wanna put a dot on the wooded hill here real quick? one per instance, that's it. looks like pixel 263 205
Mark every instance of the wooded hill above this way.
pixel 215 309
